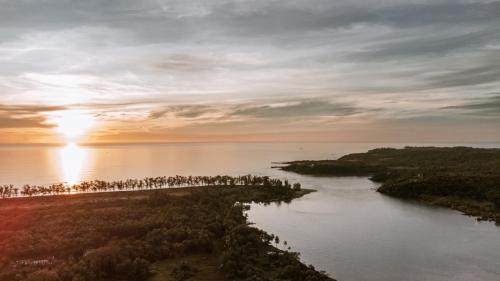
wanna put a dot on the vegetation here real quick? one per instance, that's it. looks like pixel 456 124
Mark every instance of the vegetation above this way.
pixel 8 191
pixel 207 268
pixel 128 235
pixel 463 178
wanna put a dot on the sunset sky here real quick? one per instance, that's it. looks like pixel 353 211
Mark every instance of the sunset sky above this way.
pixel 249 70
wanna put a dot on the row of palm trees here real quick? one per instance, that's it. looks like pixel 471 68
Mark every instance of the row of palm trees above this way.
pixel 8 191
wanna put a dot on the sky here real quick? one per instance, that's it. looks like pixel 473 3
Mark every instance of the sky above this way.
pixel 249 70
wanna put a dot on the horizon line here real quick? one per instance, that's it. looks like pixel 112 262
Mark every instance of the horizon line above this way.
pixel 236 142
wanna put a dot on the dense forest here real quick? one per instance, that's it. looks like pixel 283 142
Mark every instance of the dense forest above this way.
pixel 130 235
pixel 463 178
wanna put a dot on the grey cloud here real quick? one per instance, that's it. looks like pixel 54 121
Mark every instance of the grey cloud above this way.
pixel 242 17
pixel 429 42
pixel 29 109
pixel 276 20
pixel 441 12
pixel 25 116
pixel 298 109
pixel 188 63
pixel 485 107
pixel 283 109
pixel 487 73
pixel 182 111
pixel 23 122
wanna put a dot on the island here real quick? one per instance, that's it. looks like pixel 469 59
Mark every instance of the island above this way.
pixel 165 228
pixel 462 178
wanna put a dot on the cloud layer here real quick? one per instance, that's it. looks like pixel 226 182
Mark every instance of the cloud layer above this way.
pixel 157 70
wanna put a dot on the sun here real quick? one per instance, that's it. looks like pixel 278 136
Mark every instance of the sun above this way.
pixel 73 124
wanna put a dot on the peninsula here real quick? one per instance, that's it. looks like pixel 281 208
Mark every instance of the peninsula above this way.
pixel 462 178
pixel 150 229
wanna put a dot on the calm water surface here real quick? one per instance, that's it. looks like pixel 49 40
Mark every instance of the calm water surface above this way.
pixel 346 228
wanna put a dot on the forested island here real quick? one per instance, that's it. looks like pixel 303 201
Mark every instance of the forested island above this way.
pixel 463 178
pixel 154 233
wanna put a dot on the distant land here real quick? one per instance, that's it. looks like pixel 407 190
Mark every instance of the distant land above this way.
pixel 462 178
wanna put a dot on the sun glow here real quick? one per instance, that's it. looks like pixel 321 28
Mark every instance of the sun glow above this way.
pixel 72 159
pixel 74 124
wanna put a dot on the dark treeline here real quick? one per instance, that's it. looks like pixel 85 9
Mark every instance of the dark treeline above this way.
pixel 8 191
pixel 120 236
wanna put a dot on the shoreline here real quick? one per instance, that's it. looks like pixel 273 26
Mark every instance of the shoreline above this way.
pixel 300 193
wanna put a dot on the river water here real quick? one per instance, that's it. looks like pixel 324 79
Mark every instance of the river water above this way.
pixel 345 228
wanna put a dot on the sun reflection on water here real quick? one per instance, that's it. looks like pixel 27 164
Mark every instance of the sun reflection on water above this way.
pixel 72 158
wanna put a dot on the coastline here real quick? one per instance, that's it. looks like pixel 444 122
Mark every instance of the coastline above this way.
pixel 447 177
